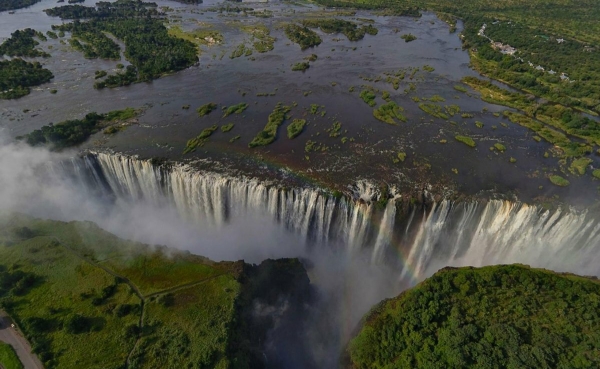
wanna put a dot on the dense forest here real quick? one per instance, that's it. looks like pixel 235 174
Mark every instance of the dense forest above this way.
pixel 16 4
pixel 148 46
pixel 21 43
pixel 17 76
pixel 507 316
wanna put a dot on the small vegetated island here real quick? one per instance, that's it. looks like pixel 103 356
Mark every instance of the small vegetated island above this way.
pixel 149 48
pixel 507 316
pixel 102 302
pixel 16 4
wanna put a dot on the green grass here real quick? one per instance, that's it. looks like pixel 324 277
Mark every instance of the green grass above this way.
pixel 269 133
pixel 408 37
pixel 300 67
pixel 199 140
pixel 596 173
pixel 295 128
pixel 495 317
pixel 389 112
pixel 466 140
pixel 8 357
pixel 460 88
pixel 558 180
pixel 500 147
pixel 434 110
pixel 206 109
pixel 227 127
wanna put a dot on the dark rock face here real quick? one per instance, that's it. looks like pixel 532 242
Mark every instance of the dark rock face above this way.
pixel 272 309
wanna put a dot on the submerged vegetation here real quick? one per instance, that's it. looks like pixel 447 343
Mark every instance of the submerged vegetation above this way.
pixel 507 316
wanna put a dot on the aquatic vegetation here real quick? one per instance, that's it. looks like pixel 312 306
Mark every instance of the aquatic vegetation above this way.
pixel 295 128
pixel 500 147
pixel 100 74
pixel 558 180
pixel 460 88
pixel 596 173
pixel 262 39
pixel 22 44
pixel 408 37
pixel 368 97
pixel 240 50
pixel 578 166
pixel 235 138
pixel 302 66
pixel 334 130
pixel 207 37
pixel 18 76
pixel 400 157
pixel 314 108
pixel 466 140
pixel 312 57
pixel 73 132
pixel 478 124
pixel 206 109
pixel 227 127
pixel 433 110
pixel 350 29
pixel 199 140
pixel 389 112
pixel 428 68
pixel 234 109
pixel 452 110
pixel 269 133
pixel 302 35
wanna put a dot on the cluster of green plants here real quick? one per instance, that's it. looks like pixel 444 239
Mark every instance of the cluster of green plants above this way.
pixel 335 129
pixel 295 128
pixel 434 110
pixel 389 112
pixel 206 109
pixel 8 357
pixel 466 140
pixel 300 67
pixel 408 37
pixel 16 4
pixel 506 316
pixel 17 76
pixel 148 46
pixel 558 180
pixel 368 96
pixel 269 133
pixel 21 43
pixel 579 165
pixel 95 44
pixel 302 35
pixel 234 109
pixel 240 50
pixel 73 132
pixel 199 140
pixel 227 127
pixel 350 29
pixel 262 39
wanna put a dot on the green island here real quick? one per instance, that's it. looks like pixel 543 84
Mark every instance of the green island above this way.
pixel 389 112
pixel 302 35
pixel 269 133
pixel 295 128
pixel 17 77
pixel 74 132
pixel 206 109
pixel 149 47
pixel 200 140
pixel 408 37
pixel 300 67
pixel 505 316
pixel 466 140
pixel 148 307
pixel 16 4
pixel 350 29
pixel 22 43
pixel 234 109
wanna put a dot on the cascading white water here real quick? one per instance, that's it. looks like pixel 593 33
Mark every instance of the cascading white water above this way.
pixel 467 233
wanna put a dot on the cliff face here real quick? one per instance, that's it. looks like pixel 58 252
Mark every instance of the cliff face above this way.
pixel 504 316
pixel 271 309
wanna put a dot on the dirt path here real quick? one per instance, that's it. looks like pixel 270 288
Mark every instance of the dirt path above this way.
pixel 11 336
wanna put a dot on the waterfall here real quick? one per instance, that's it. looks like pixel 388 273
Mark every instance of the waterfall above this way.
pixel 415 239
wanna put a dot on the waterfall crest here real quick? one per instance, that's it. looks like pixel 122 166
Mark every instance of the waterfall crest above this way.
pixel 414 238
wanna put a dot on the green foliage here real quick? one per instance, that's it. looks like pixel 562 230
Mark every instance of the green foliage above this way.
pixel 350 29
pixel 558 180
pixel 408 37
pixel 199 140
pixel 578 166
pixel 466 140
pixel 507 316
pixel 389 112
pixel 295 128
pixel 302 66
pixel 16 4
pixel 368 97
pixel 596 173
pixel 302 35
pixel 17 76
pixel 500 147
pixel 433 110
pixel 95 44
pixel 206 109
pixel 235 109
pixel 8 357
pixel 227 127
pixel 22 44
pixel 73 132
pixel 269 133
